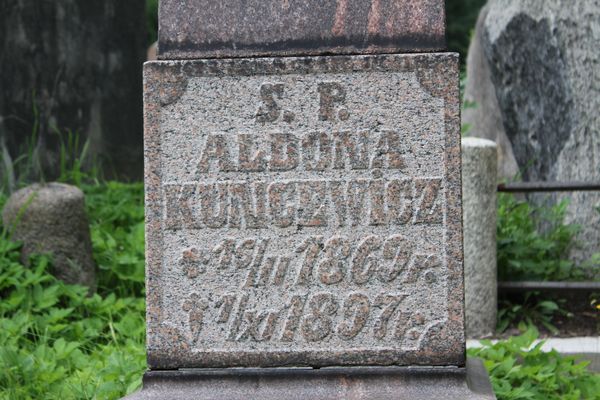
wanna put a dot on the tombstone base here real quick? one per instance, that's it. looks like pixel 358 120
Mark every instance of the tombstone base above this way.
pixel 398 383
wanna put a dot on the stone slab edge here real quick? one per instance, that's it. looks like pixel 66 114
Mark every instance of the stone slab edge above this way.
pixel 196 29
pixel 165 81
pixel 398 383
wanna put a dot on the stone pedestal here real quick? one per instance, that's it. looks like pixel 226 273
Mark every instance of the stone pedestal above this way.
pixel 360 383
pixel 199 29
pixel 479 173
pixel 304 213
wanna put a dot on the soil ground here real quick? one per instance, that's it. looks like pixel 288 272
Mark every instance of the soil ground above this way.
pixel 578 315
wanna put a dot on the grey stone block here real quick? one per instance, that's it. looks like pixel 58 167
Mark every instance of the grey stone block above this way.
pixel 191 29
pixel 360 383
pixel 51 219
pixel 479 172
pixel 304 212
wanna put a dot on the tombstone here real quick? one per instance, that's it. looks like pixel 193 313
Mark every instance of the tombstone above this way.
pixel 537 97
pixel 304 225
pixel 484 117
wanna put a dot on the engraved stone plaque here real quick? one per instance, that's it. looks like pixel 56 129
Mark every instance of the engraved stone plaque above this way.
pixel 304 212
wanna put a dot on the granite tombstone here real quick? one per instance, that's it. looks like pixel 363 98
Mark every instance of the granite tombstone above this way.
pixel 302 212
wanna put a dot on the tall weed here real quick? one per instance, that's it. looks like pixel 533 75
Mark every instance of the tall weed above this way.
pixel 75 164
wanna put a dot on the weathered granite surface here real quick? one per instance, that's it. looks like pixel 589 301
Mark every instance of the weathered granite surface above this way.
pixel 304 212
pixel 480 179
pixel 190 29
pixel 51 219
pixel 543 63
pixel 483 115
pixel 357 383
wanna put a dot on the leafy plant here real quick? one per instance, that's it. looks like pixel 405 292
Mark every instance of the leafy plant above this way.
pixel 525 252
pixel 531 310
pixel 152 20
pixel 461 19
pixel 465 128
pixel 521 370
pixel 116 213
pixel 56 342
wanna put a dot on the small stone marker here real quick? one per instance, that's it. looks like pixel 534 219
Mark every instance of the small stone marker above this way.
pixel 50 218
pixel 302 212
pixel 480 180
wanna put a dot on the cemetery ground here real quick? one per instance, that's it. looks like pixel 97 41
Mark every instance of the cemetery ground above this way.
pixel 58 343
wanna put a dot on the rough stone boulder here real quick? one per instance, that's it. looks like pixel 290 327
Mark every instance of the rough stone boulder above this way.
pixel 51 219
pixel 534 74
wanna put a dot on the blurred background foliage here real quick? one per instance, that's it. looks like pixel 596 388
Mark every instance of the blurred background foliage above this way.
pixel 461 16
pixel 152 20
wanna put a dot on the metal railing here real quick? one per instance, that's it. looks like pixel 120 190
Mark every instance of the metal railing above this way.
pixel 528 187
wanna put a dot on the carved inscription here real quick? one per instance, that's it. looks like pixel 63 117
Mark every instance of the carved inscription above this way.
pixel 324 261
pixel 299 232
pixel 313 151
pixel 316 203
pixel 313 318
pixel 330 262
pixel 331 94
